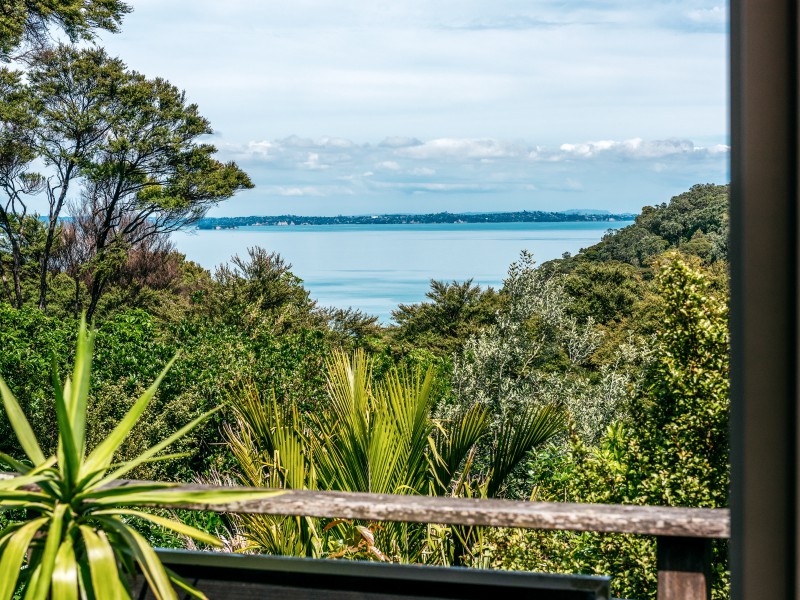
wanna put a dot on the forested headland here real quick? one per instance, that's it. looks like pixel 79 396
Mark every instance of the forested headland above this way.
pixel 617 356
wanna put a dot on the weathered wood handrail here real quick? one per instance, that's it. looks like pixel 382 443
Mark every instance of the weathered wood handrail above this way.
pixel 683 534
pixel 606 518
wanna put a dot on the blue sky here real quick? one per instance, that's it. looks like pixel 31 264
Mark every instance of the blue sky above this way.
pixel 462 105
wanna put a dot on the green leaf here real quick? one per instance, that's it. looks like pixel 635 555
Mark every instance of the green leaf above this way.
pixel 22 428
pixel 24 496
pixel 181 584
pixel 19 467
pixel 68 457
pixel 123 490
pixel 17 482
pixel 177 526
pixel 76 400
pixel 65 574
pixel 148 561
pixel 13 554
pixel 100 458
pixel 102 564
pixel 180 497
pixel 47 561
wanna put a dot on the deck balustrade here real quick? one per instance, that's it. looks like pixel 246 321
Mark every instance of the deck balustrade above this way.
pixel 683 534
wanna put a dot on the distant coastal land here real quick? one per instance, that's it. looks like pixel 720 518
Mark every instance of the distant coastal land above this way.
pixel 524 216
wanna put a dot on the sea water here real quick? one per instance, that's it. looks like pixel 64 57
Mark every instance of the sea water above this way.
pixel 376 267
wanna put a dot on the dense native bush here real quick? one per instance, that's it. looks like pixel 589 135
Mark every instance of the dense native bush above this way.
pixel 671 450
pixel 538 352
pixel 695 222
pixel 639 361
pixel 452 314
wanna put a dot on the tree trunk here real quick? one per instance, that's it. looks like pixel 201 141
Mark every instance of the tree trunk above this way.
pixel 96 291
pixel 6 286
pixel 55 210
pixel 77 296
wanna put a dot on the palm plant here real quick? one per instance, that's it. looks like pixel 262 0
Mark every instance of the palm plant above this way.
pixel 376 438
pixel 78 542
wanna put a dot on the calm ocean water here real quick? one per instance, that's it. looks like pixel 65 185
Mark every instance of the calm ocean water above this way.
pixel 375 268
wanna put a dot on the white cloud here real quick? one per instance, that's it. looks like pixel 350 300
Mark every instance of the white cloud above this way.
pixel 463 148
pixel 635 148
pixel 312 162
pixel 399 142
pixel 716 15
pixel 292 191
pixel 388 165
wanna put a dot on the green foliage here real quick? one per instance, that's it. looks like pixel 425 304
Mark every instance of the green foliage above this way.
pixel 605 291
pixel 637 360
pixel 672 449
pixel 29 21
pixel 696 222
pixel 132 143
pixel 373 437
pixel 77 540
pixel 259 290
pixel 29 339
pixel 455 312
pixel 537 353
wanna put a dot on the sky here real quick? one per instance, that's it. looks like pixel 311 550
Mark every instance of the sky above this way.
pixel 416 106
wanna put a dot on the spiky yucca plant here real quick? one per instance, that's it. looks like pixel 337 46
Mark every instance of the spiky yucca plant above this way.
pixel 77 542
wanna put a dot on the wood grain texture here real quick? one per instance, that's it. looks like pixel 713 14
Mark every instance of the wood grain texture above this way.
pixel 609 518
pixel 684 568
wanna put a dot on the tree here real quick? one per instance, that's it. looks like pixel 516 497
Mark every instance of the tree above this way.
pixel 75 97
pixel 17 182
pixel 455 312
pixel 671 450
pixel 27 22
pixel 261 288
pixel 131 142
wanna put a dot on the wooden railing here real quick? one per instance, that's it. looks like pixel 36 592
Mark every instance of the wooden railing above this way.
pixel 683 534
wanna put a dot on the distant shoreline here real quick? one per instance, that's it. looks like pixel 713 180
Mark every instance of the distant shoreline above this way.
pixel 413 219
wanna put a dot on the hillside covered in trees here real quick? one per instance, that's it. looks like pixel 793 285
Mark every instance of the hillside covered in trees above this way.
pixel 620 349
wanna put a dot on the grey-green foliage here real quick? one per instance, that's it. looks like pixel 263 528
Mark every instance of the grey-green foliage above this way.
pixel 538 352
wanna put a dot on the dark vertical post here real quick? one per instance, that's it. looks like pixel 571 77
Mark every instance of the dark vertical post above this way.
pixel 684 568
pixel 764 367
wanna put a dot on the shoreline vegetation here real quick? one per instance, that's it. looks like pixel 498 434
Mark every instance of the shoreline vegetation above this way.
pixel 524 216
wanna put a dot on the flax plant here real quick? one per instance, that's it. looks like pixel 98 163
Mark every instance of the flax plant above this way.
pixel 77 542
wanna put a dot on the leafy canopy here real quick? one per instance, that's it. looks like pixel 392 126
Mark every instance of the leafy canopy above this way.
pixel 27 22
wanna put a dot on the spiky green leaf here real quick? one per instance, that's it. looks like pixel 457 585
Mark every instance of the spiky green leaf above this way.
pixel 22 428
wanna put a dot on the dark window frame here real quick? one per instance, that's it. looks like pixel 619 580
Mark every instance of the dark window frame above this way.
pixel 764 299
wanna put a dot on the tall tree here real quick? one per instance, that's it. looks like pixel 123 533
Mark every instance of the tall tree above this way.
pixel 129 141
pixel 150 175
pixel 76 98
pixel 17 181
pixel 28 22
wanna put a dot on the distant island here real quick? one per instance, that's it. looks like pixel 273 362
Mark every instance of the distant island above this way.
pixel 524 216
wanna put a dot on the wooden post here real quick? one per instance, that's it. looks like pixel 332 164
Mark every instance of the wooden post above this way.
pixel 684 568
